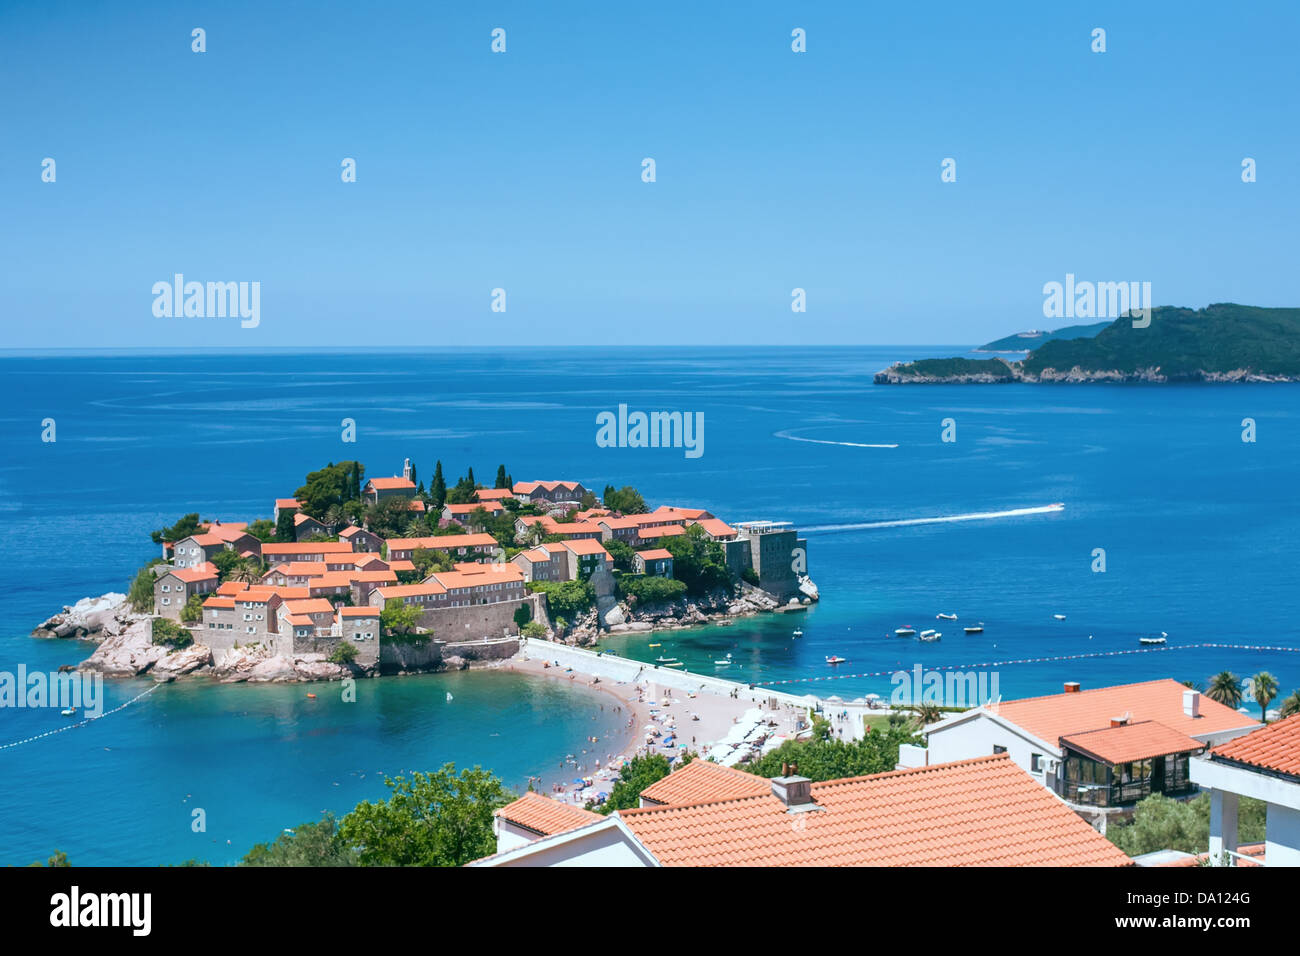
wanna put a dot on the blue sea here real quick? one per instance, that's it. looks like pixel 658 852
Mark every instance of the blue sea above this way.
pixel 1198 527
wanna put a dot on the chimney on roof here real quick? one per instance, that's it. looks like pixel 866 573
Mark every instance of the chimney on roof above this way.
pixel 1072 687
pixel 1192 703
pixel 792 791
pixel 1120 721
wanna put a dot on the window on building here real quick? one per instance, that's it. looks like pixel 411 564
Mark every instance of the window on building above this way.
pixel 1036 763
pixel 999 749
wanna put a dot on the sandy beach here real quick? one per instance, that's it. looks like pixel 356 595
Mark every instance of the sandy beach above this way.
pixel 694 720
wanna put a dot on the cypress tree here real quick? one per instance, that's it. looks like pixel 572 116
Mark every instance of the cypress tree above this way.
pixel 501 477
pixel 438 490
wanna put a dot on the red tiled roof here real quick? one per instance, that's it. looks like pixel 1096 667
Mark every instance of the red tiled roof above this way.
pixel 702 781
pixel 359 612
pixel 309 606
pixel 980 812
pixel 1275 747
pixel 391 484
pixel 664 532
pixel 1147 738
pixel 1059 715
pixel 441 542
pixel 204 572
pixel 493 494
pixel 585 546
pixel 716 528
pixel 411 590
pixel 219 601
pixel 301 518
pixel 306 547
pixel 232 587
pixel 655 554
pixel 545 816
pixel 286 503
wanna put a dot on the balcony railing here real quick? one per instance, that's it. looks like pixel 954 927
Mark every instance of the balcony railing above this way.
pixel 1119 794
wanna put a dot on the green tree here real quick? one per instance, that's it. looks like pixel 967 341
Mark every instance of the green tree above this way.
pixel 698 562
pixel 170 634
pixel 523 614
pixel 140 594
pixel 398 616
pixel 345 653
pixel 640 772
pixel 626 500
pixel 831 759
pixel 621 552
pixel 192 612
pixel 263 530
pixel 533 629
pixel 438 490
pixel 1226 689
pixel 58 859
pixel 1291 706
pixel 331 485
pixel 1162 823
pixel 284 532
pixel 566 598
pixel 1264 686
pixel 183 528
pixel 502 480
pixel 431 819
pixel 308 844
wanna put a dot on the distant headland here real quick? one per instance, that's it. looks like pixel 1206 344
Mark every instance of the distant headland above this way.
pixel 1224 342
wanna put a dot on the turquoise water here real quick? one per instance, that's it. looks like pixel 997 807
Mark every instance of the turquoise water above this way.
pixel 1199 530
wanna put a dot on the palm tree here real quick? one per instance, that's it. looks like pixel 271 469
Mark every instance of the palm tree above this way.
pixel 1291 706
pixel 1265 685
pixel 1225 688
pixel 334 518
pixel 248 571
pixel 1193 685
pixel 928 713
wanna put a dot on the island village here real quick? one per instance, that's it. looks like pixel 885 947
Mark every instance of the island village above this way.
pixel 531 558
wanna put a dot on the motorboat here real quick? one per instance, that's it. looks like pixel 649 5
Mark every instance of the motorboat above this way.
pixel 676 664
pixel 665 660
pixel 907 630
pixel 69 712
pixel 725 662
pixel 946 617
pixel 930 635
pixel 974 628
pixel 835 660
pixel 1154 639
pixel 1059 617
pixel 656 645
pixel 797 632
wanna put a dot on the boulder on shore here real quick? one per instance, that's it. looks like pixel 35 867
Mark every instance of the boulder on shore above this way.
pixel 91 619
pixel 126 654
pixel 179 663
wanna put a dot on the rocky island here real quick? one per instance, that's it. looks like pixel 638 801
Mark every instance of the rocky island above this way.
pixel 1220 343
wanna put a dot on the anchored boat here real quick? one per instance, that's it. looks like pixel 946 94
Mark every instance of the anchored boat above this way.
pixel 974 628
pixel 930 635
pixel 946 617
pixel 1153 639
pixel 833 659
pixel 907 630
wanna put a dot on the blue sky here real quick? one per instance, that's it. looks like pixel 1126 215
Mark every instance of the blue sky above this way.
pixel 522 170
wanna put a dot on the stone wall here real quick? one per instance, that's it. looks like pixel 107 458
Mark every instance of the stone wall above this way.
pixel 476 621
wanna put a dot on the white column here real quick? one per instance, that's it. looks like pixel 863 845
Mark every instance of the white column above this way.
pixel 1223 827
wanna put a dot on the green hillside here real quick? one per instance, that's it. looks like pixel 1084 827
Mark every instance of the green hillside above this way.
pixel 1024 342
pixel 1184 343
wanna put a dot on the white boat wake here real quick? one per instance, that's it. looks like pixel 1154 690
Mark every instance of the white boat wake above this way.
pixel 944 519
pixel 823 441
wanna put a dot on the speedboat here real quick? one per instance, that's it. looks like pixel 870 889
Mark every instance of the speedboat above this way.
pixel 907 630
pixel 797 632
pixel 725 662
pixel 69 712
pixel 1152 639
pixel 835 660
pixel 665 660
pixel 946 617
pixel 930 635
pixel 676 664
pixel 974 628
pixel 1059 617
pixel 656 645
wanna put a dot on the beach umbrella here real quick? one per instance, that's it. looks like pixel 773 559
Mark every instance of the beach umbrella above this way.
pixel 579 780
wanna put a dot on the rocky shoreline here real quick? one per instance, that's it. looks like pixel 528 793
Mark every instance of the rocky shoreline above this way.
pixel 126 648
pixel 1074 376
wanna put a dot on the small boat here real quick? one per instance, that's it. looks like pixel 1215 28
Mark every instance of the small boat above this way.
pixel 449 697
pixel 665 660
pixel 974 628
pixel 1153 639
pixel 723 663
pixel 677 664
pixel 835 660
pixel 930 635
pixel 656 645
pixel 311 696
pixel 1059 617
pixel 69 712
pixel 907 630
pixel 798 632
pixel 946 617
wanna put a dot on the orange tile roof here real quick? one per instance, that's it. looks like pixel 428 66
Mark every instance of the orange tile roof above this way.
pixel 299 620
pixel 702 781
pixel 493 494
pixel 286 503
pixel 980 812
pixel 359 612
pixel 586 546
pixel 655 554
pixel 230 531
pixel 663 532
pixel 528 487
pixel 1275 747
pixel 411 590
pixel 688 514
pixel 306 547
pixel 309 606
pixel 219 601
pixel 232 587
pixel 1055 716
pixel 718 529
pixel 571 527
pixel 545 816
pixel 1146 738
pixel 491 507
pixel 391 484
pixel 335 579
pixel 205 572
pixel 498 574
pixel 349 531
pixel 441 542
pixel 300 569
pixel 618 524
pixel 1255 850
